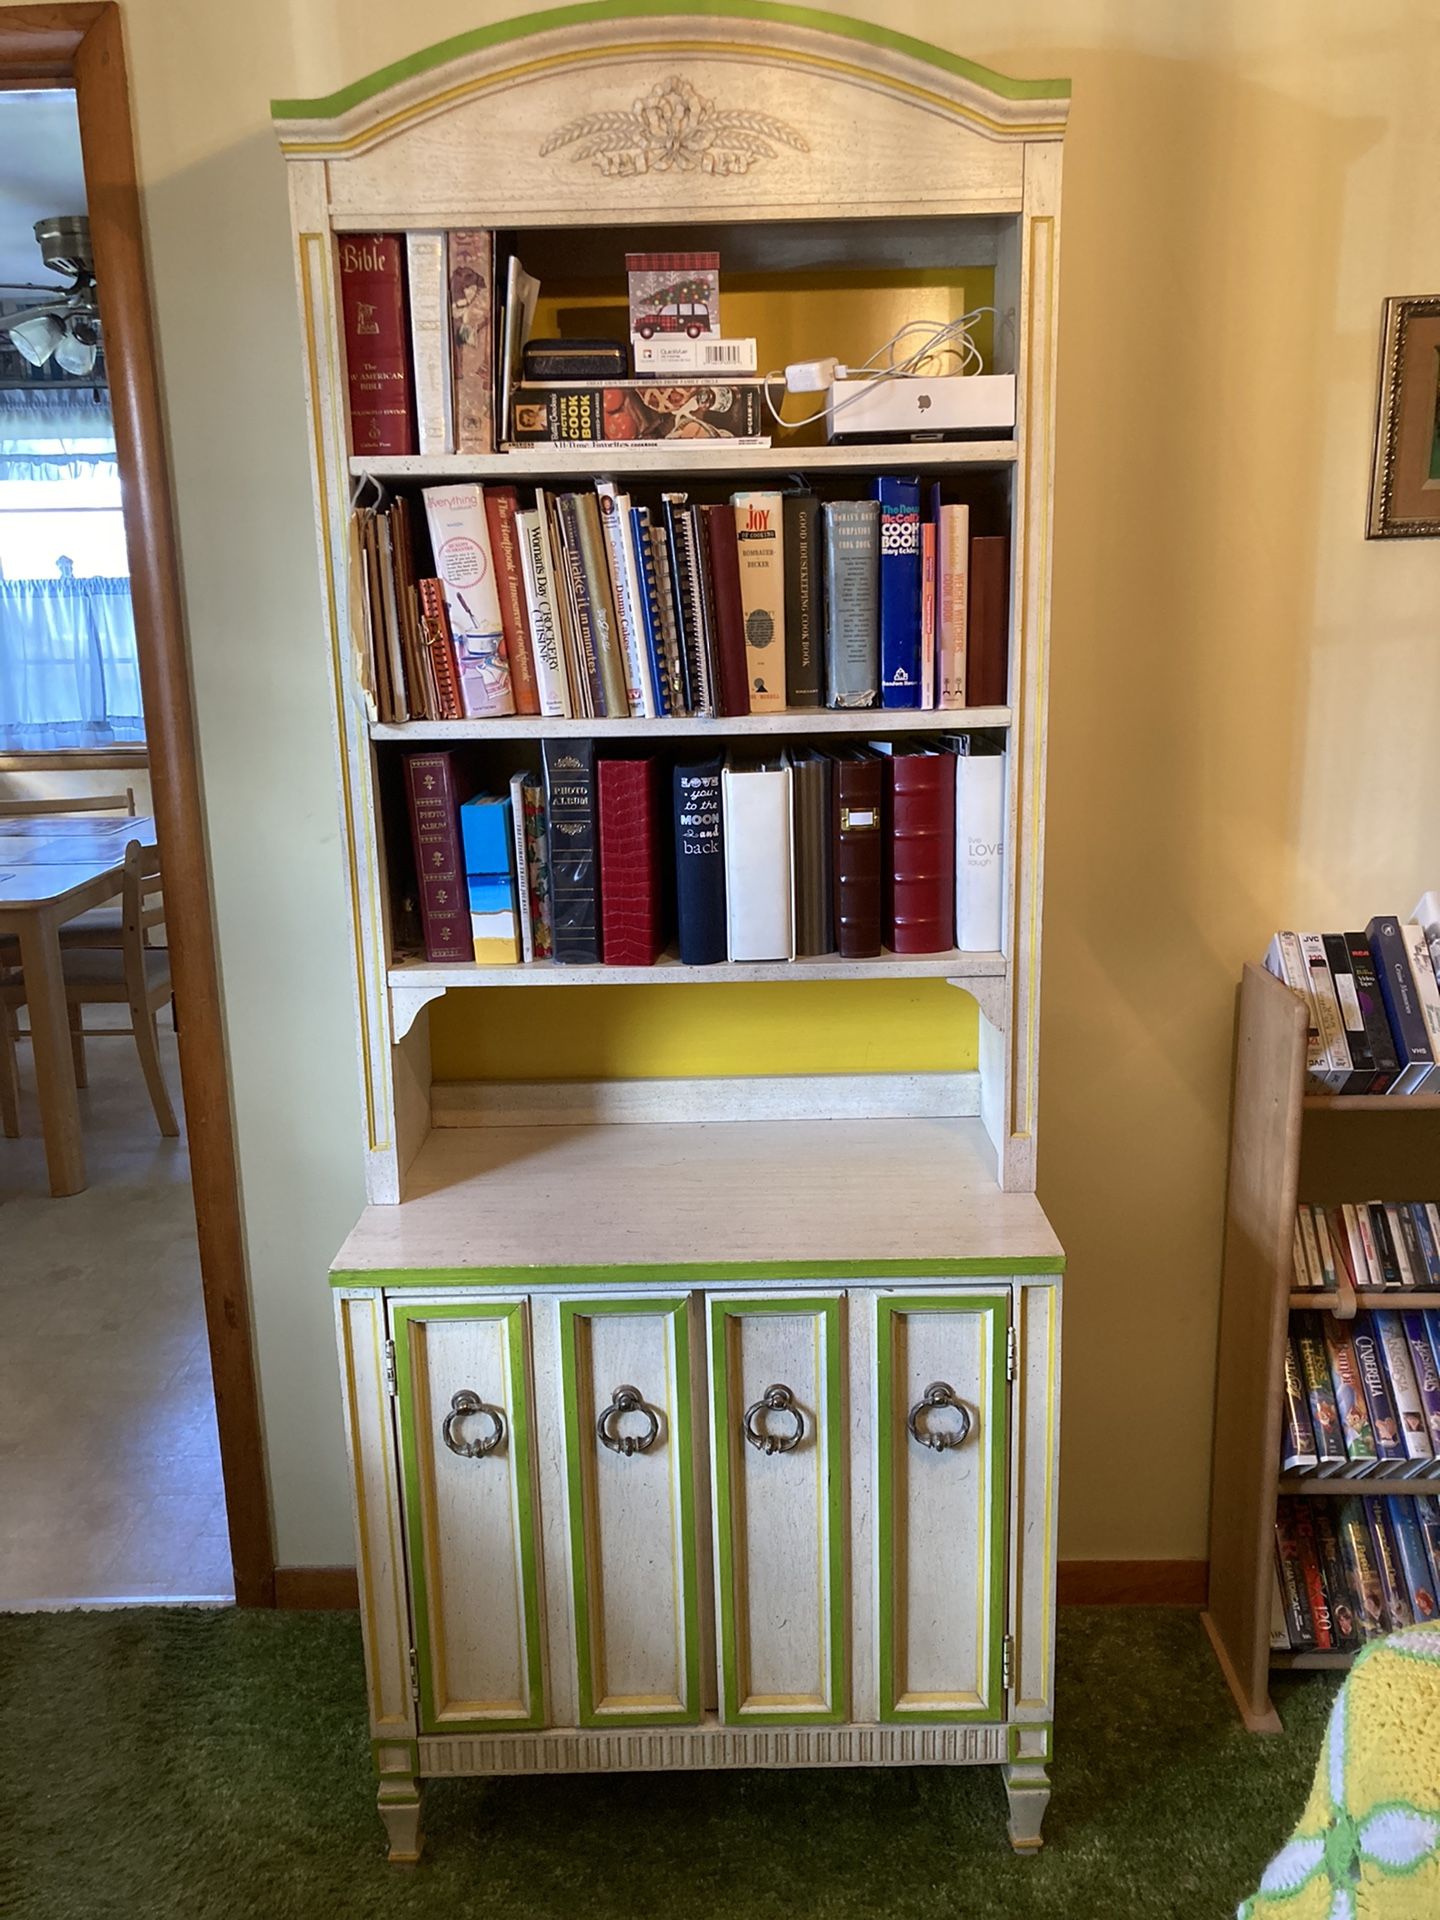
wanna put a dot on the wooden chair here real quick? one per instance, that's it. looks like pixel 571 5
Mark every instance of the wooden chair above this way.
pixel 9 1072
pixel 131 974
pixel 72 803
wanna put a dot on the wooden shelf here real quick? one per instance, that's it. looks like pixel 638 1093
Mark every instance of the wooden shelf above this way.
pixel 670 971
pixel 1269 1114
pixel 712 456
pixel 1337 1484
pixel 799 720
pixel 1371 1302
pixel 1303 1660
pixel 813 1192
pixel 1372 1102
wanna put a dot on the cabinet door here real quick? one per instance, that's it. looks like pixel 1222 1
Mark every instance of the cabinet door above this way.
pixel 940 1430
pixel 462 1378
pixel 780 1501
pixel 630 1467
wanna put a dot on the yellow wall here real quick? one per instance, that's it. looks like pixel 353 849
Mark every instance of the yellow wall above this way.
pixel 1246 695
pixel 842 1026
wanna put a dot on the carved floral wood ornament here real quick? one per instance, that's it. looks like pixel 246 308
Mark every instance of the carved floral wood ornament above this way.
pixel 675 129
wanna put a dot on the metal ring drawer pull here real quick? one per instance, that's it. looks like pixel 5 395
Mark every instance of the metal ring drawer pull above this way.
pixel 941 1438
pixel 464 1404
pixel 627 1400
pixel 775 1400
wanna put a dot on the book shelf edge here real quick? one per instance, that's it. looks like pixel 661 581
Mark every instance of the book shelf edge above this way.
pixel 1283 1662
pixel 820 721
pixel 1371 1102
pixel 419 975
pixel 589 460
pixel 1367 1300
pixel 1388 1486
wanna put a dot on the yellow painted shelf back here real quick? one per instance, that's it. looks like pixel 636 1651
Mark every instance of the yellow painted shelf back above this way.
pixel 647 1033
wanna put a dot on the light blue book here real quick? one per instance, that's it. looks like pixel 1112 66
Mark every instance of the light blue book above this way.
pixel 488 843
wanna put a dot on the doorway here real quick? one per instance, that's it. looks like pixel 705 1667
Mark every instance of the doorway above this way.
pixel 200 1382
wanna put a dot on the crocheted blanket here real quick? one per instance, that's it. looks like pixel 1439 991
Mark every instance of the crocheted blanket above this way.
pixel 1367 1846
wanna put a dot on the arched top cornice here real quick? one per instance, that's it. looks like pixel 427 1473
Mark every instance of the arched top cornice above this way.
pixel 561 40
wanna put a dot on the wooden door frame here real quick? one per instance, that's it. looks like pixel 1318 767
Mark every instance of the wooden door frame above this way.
pixel 81 45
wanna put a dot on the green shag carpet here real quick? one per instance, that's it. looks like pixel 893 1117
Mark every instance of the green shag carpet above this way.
pixel 214 1765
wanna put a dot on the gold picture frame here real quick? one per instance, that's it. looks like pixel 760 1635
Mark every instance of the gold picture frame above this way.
pixel 1405 481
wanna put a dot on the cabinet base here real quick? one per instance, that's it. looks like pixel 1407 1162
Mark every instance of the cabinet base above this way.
pixel 600 1750
pixel 710 1745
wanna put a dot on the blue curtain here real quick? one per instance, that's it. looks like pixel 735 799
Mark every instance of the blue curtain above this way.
pixel 68 670
pixel 60 434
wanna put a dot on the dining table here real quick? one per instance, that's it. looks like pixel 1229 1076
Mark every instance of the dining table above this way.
pixel 54 866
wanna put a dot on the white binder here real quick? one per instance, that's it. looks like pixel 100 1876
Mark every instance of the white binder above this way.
pixel 759 861
pixel 979 851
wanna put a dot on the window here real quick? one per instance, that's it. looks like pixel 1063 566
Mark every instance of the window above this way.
pixel 68 670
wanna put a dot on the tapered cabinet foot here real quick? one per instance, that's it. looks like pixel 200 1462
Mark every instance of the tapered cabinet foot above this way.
pixel 1027 1787
pixel 399 1802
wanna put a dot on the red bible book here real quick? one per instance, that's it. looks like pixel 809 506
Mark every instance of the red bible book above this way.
pixel 377 343
pixel 855 813
pixel 919 889
pixel 500 505
pixel 732 690
pixel 631 918
pixel 987 643
pixel 435 787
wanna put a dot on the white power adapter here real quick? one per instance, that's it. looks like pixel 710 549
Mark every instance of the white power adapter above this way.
pixel 812 376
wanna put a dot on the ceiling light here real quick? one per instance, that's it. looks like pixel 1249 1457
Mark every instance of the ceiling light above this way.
pixel 37 338
pixel 73 353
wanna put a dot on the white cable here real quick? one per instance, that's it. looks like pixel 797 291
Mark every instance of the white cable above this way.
pixel 941 336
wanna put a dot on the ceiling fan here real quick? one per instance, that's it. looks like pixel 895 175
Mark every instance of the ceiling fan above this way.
pixel 69 325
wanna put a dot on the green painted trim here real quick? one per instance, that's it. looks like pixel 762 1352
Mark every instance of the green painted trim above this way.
pixel 700 1273
pixel 577 1440
pixel 1012 1735
pixel 724 1417
pixel 512 1312
pixel 892 1438
pixel 331 105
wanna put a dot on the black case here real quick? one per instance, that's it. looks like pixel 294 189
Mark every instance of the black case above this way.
pixel 574 360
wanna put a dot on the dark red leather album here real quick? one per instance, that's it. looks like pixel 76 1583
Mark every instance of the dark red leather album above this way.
pixel 632 930
pixel 919 890
pixel 855 805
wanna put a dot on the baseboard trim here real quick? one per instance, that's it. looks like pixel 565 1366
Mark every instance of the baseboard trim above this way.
pixel 1083 1583
pixel 1133 1583
pixel 316 1589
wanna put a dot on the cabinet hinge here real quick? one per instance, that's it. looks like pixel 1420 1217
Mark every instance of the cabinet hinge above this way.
pixel 414 1676
pixel 1007 1660
pixel 390 1372
pixel 1011 1344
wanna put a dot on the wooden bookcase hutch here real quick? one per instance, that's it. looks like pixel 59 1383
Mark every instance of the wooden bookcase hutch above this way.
pixel 1278 1159
pixel 531 1599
